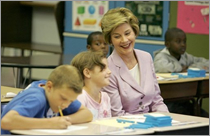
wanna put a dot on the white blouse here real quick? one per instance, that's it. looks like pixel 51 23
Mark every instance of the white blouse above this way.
pixel 135 73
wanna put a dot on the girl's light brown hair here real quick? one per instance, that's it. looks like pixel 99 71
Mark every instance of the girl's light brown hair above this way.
pixel 88 59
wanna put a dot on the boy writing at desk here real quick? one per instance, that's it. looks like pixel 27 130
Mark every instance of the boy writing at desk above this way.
pixel 32 107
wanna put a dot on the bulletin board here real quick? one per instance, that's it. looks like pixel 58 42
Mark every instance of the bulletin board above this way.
pixel 193 16
pixel 150 15
pixel 83 17
pixel 87 15
pixel 153 18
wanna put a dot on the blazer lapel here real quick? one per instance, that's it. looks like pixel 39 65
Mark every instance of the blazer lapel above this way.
pixel 124 72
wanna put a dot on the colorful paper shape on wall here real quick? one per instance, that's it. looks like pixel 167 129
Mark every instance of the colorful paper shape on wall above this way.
pixel 77 22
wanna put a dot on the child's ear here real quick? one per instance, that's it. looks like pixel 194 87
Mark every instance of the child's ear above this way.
pixel 49 86
pixel 86 73
pixel 167 44
pixel 88 47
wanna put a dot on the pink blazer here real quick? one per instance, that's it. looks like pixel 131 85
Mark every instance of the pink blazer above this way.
pixel 127 96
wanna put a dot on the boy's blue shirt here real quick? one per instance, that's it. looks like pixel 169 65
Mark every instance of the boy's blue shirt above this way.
pixel 32 102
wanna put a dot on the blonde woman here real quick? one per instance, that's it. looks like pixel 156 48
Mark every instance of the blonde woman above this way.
pixel 133 87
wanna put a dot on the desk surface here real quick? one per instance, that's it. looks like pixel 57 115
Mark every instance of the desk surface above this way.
pixel 35 46
pixel 104 126
pixel 180 80
pixel 36 61
pixel 5 89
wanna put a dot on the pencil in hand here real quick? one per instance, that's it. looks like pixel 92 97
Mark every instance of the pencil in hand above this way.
pixel 61 113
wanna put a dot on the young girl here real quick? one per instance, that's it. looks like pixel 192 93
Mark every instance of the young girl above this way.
pixel 94 69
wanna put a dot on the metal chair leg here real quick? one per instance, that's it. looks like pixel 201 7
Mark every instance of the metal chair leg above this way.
pixel 29 77
pixel 15 82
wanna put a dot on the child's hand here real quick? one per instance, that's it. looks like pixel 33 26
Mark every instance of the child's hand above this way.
pixel 184 68
pixel 61 122
pixel 205 68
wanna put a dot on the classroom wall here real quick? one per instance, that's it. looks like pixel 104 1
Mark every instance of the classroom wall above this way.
pixel 74 44
pixel 75 41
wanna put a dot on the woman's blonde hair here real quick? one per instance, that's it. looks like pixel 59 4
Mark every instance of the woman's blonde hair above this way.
pixel 68 76
pixel 114 18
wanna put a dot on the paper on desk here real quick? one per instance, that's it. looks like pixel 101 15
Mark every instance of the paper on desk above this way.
pixel 10 95
pixel 167 77
pixel 178 123
pixel 141 118
pixel 136 118
pixel 156 114
pixel 59 131
pixel 112 122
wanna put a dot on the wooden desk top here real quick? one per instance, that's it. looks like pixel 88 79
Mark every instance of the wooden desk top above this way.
pixel 99 127
pixel 180 80
pixel 35 46
pixel 36 61
pixel 5 89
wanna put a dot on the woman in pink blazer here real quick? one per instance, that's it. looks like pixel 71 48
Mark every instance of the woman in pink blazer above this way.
pixel 133 85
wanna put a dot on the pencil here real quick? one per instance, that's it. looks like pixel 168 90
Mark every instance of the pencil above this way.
pixel 61 113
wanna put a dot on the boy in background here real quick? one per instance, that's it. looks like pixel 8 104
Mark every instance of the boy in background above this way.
pixel 95 72
pixel 96 42
pixel 33 107
pixel 173 57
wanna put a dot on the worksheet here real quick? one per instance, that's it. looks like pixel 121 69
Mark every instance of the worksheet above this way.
pixel 59 131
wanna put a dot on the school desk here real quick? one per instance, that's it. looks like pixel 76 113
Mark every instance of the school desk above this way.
pixel 34 61
pixel 202 92
pixel 5 89
pixel 186 125
pixel 185 89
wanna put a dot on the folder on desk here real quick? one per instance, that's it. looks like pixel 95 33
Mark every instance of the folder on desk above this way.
pixel 160 121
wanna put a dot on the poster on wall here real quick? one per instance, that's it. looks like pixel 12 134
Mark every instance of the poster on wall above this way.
pixel 87 15
pixel 193 16
pixel 150 15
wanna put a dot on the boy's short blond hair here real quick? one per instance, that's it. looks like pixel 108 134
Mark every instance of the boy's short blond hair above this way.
pixel 88 59
pixel 114 18
pixel 68 76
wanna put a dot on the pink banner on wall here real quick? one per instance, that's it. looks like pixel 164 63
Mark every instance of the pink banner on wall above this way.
pixel 193 16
